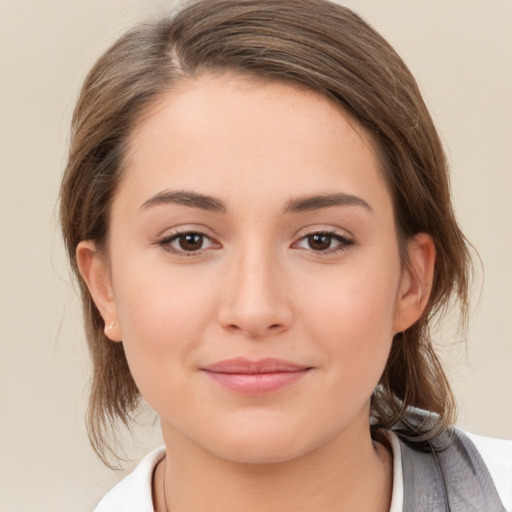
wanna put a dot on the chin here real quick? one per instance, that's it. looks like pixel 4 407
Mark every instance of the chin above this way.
pixel 262 450
pixel 265 442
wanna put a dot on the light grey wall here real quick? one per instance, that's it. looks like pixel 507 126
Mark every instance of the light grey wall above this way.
pixel 460 53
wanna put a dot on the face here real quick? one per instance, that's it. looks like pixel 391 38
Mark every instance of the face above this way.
pixel 253 272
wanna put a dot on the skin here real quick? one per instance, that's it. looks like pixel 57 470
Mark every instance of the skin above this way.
pixel 258 287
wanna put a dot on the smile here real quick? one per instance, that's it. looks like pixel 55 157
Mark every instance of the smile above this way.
pixel 255 377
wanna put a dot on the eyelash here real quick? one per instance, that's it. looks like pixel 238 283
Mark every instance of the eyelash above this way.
pixel 344 243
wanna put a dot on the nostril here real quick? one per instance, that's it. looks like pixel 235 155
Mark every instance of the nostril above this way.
pixel 253 332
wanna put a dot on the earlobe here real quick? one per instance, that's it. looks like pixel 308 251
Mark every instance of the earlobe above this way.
pixel 95 272
pixel 416 282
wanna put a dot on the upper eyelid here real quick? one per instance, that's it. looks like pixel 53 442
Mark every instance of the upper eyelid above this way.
pixel 188 228
pixel 330 230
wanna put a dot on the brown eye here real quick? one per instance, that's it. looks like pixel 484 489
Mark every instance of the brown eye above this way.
pixel 324 242
pixel 190 241
pixel 320 241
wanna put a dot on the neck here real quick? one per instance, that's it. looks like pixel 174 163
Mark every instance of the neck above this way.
pixel 350 472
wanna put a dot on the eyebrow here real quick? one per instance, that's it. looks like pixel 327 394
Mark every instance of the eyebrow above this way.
pixel 185 198
pixel 317 202
pixel 209 203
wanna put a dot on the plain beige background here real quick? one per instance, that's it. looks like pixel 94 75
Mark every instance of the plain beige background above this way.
pixel 460 52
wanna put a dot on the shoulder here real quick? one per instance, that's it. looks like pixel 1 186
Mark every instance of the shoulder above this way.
pixel 456 467
pixel 133 493
pixel 464 469
pixel 497 456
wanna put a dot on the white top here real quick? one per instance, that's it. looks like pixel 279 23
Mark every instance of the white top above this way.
pixel 133 493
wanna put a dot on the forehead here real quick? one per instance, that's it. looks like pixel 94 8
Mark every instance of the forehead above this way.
pixel 220 133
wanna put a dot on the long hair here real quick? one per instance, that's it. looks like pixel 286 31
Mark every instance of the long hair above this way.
pixel 313 44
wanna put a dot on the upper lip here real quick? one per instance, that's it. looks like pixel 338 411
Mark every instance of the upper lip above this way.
pixel 245 366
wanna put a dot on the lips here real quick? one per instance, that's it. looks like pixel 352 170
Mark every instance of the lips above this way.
pixel 255 377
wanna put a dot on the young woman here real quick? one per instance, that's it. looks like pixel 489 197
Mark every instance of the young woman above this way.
pixel 257 209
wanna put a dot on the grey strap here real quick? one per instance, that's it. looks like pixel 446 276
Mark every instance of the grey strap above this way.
pixel 451 479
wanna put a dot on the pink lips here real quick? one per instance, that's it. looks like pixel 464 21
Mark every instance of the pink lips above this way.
pixel 255 377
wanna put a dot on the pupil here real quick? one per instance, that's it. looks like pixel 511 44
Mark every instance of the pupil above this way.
pixel 319 242
pixel 191 241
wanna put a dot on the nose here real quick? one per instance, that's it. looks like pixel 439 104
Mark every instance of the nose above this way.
pixel 255 299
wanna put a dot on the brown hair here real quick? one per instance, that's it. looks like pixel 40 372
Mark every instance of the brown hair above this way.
pixel 313 44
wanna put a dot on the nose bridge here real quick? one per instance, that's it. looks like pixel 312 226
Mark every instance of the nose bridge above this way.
pixel 255 299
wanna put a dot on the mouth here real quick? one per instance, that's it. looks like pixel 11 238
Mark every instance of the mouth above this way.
pixel 255 377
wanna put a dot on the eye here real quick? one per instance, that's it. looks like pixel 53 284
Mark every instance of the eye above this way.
pixel 326 242
pixel 187 242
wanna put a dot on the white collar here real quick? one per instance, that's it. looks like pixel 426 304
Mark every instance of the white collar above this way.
pixel 397 496
pixel 133 493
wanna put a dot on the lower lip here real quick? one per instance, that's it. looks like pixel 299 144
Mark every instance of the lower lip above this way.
pixel 257 384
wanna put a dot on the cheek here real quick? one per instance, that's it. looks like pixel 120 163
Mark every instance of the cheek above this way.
pixel 353 299
pixel 351 317
pixel 163 316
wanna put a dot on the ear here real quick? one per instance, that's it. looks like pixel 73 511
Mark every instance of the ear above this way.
pixel 416 282
pixel 94 270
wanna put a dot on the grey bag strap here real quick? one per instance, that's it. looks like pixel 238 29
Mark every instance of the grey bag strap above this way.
pixel 453 478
